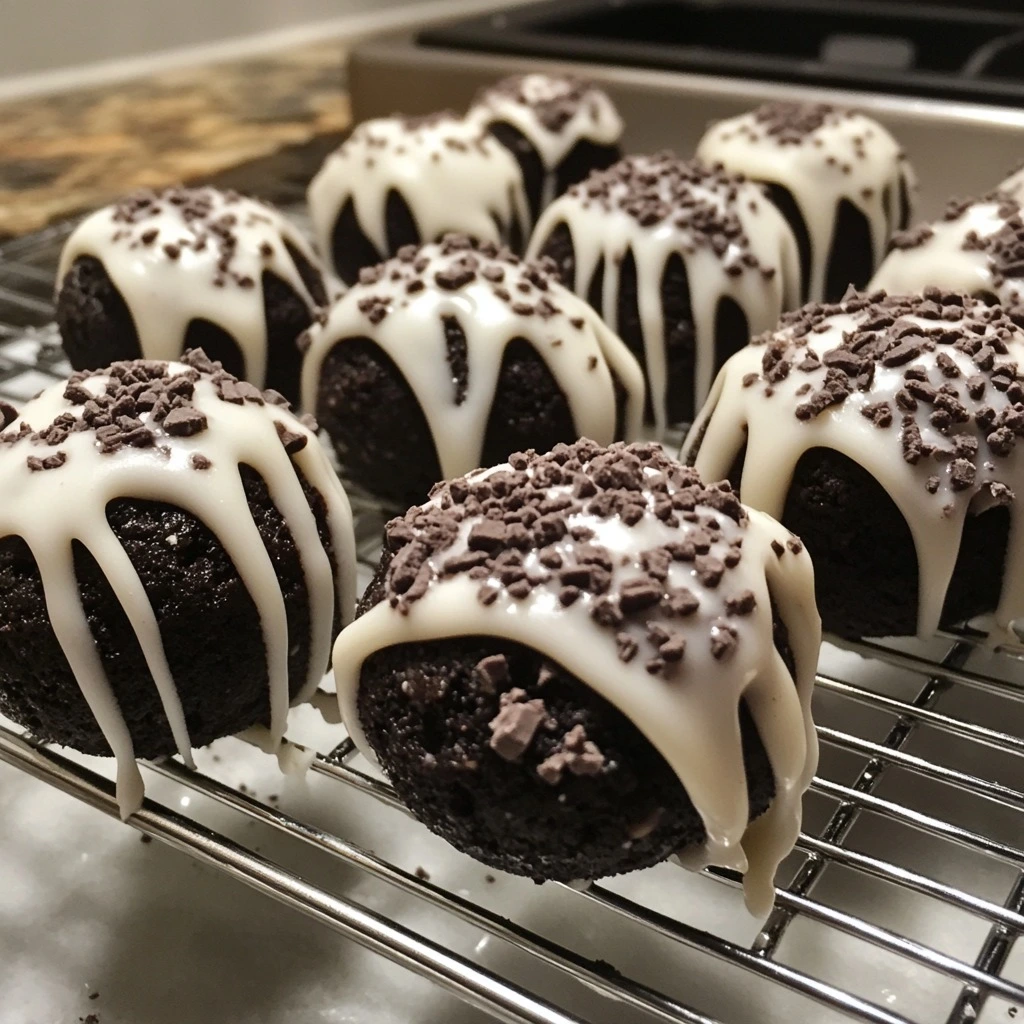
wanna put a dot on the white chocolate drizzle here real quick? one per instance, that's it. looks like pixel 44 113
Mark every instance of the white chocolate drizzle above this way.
pixel 193 254
pixel 402 305
pixel 452 175
pixel 658 206
pixel 821 155
pixel 977 247
pixel 52 506
pixel 553 112
pixel 688 711
pixel 959 472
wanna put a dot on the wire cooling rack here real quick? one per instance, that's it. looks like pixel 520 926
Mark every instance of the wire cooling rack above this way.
pixel 902 902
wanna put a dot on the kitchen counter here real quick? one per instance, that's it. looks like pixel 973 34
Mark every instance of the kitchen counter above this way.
pixel 260 124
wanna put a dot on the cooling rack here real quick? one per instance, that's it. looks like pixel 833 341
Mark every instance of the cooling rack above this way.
pixel 902 902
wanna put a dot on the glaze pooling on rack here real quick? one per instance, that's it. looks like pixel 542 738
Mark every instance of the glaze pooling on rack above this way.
pixel 193 254
pixel 187 450
pixel 496 298
pixel 822 155
pixel 679 635
pixel 452 175
pixel 923 393
pixel 554 112
pixel 976 247
pixel 733 243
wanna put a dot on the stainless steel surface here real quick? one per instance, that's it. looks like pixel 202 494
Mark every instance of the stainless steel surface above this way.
pixel 909 876
pixel 957 148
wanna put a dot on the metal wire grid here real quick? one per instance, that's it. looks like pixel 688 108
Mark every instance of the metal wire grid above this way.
pixel 939 708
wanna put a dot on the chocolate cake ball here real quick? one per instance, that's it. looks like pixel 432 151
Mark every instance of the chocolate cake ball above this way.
pixel 450 357
pixel 884 430
pixel 558 127
pixel 685 263
pixel 839 178
pixel 176 556
pixel 159 273
pixel 977 247
pixel 567 664
pixel 399 181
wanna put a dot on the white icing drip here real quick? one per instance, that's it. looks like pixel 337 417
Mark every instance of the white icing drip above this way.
pixel 51 509
pixel 820 171
pixel 944 261
pixel 582 362
pixel 776 439
pixel 453 176
pixel 164 295
pixel 599 233
pixel 691 718
pixel 593 118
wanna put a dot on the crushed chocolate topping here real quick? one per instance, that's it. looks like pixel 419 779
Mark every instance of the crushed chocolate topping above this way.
pixel 578 755
pixel 912 238
pixel 140 404
pixel 950 351
pixel 554 99
pixel 207 220
pixel 701 203
pixel 791 124
pixel 513 728
pixel 536 526
pixel 449 266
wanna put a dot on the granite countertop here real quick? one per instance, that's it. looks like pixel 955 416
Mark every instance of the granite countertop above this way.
pixel 262 125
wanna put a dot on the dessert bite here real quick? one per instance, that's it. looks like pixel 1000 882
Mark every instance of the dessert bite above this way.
pixel 682 261
pixel 884 430
pixel 159 273
pixel 839 178
pixel 976 247
pixel 176 558
pixel 579 663
pixel 398 181
pixel 558 127
pixel 450 357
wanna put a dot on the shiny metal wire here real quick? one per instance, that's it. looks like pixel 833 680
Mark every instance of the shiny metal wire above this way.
pixel 28 357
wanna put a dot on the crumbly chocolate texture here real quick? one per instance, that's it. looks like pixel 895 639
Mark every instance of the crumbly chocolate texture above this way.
pixel 555 107
pixel 885 336
pixel 662 189
pixel 587 796
pixel 528 507
pixel 140 405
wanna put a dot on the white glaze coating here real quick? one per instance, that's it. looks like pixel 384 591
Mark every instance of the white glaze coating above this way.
pixel 219 243
pixel 946 254
pixel 452 175
pixel 691 718
pixel 848 156
pixel 582 356
pixel 553 112
pixel 51 509
pixel 775 438
pixel 604 230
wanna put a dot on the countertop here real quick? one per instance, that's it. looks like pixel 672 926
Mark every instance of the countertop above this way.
pixel 258 124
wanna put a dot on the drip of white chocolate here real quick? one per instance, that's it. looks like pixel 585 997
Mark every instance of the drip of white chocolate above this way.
pixel 452 175
pixel 53 508
pixel 193 254
pixel 554 112
pixel 604 231
pixel 583 355
pixel 742 411
pixel 952 254
pixel 846 156
pixel 690 716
